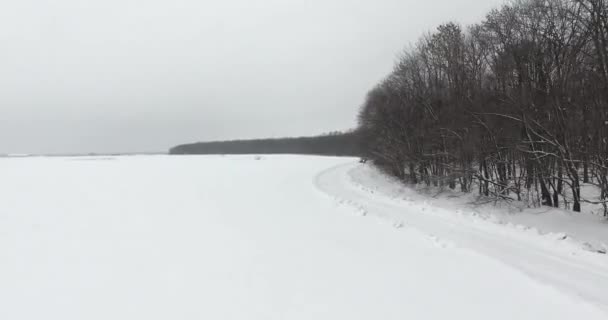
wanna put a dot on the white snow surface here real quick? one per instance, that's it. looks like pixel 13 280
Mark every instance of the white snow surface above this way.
pixel 275 237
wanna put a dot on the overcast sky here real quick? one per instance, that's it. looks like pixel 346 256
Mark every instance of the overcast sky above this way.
pixel 80 76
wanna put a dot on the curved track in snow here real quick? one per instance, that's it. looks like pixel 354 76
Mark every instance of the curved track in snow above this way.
pixel 573 271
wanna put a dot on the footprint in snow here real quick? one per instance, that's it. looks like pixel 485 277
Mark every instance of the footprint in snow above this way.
pixel 362 211
pixel 589 247
pixel 398 224
pixel 440 243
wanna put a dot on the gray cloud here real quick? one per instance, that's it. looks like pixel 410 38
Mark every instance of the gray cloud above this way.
pixel 143 75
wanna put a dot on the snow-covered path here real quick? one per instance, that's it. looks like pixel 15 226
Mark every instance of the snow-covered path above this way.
pixel 158 237
pixel 568 267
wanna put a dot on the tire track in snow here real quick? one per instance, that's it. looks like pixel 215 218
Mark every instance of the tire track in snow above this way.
pixel 573 271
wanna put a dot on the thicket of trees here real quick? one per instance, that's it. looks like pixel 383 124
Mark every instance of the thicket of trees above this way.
pixel 515 107
pixel 333 144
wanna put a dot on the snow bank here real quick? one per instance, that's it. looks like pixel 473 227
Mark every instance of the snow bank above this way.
pixel 585 229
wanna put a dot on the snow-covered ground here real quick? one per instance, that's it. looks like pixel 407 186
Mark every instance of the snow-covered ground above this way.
pixel 589 228
pixel 276 237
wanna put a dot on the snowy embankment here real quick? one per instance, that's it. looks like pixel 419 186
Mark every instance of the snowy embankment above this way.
pixel 588 229
pixel 159 237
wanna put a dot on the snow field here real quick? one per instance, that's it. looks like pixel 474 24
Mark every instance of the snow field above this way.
pixel 170 237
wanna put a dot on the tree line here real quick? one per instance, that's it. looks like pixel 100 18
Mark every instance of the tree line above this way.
pixel 514 107
pixel 332 144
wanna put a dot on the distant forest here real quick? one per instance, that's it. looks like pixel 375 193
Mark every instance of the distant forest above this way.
pixel 332 144
pixel 514 107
